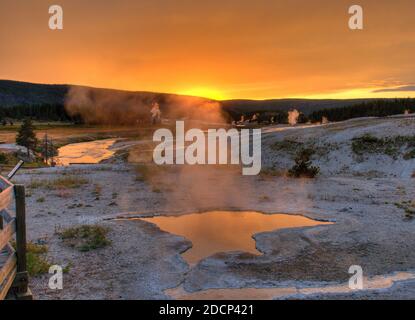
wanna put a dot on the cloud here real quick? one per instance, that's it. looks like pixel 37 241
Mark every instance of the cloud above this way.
pixel 397 89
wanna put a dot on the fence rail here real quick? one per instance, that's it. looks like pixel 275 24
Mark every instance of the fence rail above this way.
pixel 13 273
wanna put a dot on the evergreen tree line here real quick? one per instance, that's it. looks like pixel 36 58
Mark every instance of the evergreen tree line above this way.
pixel 43 112
pixel 279 117
pixel 376 108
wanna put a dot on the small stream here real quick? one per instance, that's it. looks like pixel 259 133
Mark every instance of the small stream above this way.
pixel 373 283
pixel 85 152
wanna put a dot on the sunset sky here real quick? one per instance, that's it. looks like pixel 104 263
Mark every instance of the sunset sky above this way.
pixel 218 48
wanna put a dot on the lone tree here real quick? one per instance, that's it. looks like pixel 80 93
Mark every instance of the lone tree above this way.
pixel 48 150
pixel 302 167
pixel 26 136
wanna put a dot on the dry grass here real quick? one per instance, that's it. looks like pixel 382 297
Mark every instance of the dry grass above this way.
pixel 36 261
pixel 409 155
pixel 148 173
pixel 391 146
pixel 86 237
pixel 408 207
pixel 7 158
pixel 97 191
pixel 272 172
pixel 287 146
pixel 66 182
pixel 303 167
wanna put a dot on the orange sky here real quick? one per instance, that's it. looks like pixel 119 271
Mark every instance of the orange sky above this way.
pixel 220 49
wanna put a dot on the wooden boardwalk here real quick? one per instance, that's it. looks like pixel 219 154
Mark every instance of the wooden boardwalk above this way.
pixel 13 272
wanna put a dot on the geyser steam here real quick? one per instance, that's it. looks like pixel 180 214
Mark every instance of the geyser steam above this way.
pixel 155 113
pixel 113 107
pixel 293 116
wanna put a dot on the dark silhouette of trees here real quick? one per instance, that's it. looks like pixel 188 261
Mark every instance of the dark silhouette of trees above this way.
pixel 43 112
pixel 26 136
pixel 376 108
pixel 48 150
pixel 373 108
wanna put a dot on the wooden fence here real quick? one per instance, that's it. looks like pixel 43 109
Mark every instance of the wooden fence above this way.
pixel 13 273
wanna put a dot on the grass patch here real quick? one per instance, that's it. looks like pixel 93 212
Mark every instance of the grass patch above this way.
pixel 36 261
pixel 86 237
pixel 8 158
pixel 287 146
pixel 409 155
pixel 391 146
pixel 292 147
pixel 67 182
pixel 408 207
pixel 303 167
pixel 272 172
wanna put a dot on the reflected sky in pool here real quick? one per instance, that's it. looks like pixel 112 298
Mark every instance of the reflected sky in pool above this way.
pixel 222 231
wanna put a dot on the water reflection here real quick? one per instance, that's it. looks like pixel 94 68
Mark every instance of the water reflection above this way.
pixel 374 283
pixel 85 152
pixel 222 231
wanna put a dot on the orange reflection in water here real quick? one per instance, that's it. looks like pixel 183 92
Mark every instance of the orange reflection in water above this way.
pixel 85 152
pixel 221 231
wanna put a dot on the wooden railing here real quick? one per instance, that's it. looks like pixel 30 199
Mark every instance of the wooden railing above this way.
pixel 13 272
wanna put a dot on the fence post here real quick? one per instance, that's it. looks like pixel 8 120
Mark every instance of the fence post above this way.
pixel 22 279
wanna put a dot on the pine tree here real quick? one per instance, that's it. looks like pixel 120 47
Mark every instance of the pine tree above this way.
pixel 303 167
pixel 26 136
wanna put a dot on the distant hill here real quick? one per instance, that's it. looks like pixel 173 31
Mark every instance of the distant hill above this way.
pixel 15 93
pixel 97 105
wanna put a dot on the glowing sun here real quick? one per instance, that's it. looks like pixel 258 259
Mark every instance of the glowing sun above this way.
pixel 204 93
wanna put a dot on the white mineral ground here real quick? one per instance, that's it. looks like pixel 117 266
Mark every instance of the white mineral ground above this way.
pixel 144 262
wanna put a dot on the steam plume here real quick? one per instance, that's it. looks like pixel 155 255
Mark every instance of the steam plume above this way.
pixel 155 113
pixel 103 106
pixel 293 117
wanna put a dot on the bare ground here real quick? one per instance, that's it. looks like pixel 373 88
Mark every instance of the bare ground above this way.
pixel 143 261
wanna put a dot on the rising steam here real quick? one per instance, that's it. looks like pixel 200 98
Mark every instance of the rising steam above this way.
pixel 155 113
pixel 112 107
pixel 101 106
pixel 293 116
